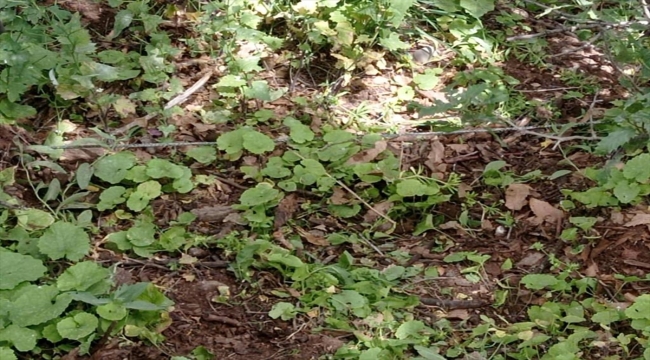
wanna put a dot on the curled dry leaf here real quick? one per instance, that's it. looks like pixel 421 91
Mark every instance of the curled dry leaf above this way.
pixel 516 196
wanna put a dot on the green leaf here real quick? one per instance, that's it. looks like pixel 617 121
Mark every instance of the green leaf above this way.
pixel 161 168
pixel 145 192
pixel 477 8
pixel 78 326
pixel 428 80
pixel 112 311
pixel 539 281
pixel 638 168
pixel 640 309
pixel 203 154
pixel 83 175
pixel 17 268
pixel 257 143
pixel 232 141
pixel 626 192
pixel 393 42
pixel 338 136
pixel 414 187
pixel 111 197
pixel 283 310
pixel 286 259
pixel 23 339
pixel 300 133
pixel 34 219
pixel 142 234
pixel 261 194
pixel 409 329
pixel 35 305
pixel 82 276
pixel 231 81
pixel 260 90
pixel 113 168
pixel 64 240
pixel 7 354
pixel 615 140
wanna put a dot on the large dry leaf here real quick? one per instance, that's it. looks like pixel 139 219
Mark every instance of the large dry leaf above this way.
pixel 639 219
pixel 516 196
pixel 313 237
pixel 285 210
pixel 368 155
pixel 545 212
pixel 379 208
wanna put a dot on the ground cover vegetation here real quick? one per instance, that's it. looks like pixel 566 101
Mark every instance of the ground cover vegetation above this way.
pixel 324 179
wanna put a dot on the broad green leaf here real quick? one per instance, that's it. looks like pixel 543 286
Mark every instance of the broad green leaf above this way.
pixel 17 268
pixel 261 90
pixel 34 219
pixel 83 276
pixel 111 197
pixel 414 187
pixel 626 192
pixel 113 168
pixel 428 80
pixel 477 8
pixel 142 234
pixel 261 194
pixel 231 81
pixel 8 354
pixel 393 42
pixel 539 281
pixel 283 310
pixel 338 136
pixel 614 140
pixel 300 133
pixel 232 141
pixel 286 259
pixel 35 305
pixel 638 168
pixel 640 309
pixel 23 339
pixel 78 326
pixel 257 143
pixel 409 329
pixel 64 240
pixel 161 168
pixel 203 154
pixel 112 311
pixel 145 192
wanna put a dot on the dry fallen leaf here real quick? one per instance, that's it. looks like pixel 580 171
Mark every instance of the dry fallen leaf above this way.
pixel 312 238
pixel 639 219
pixel 516 196
pixel 545 212
pixel 369 155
